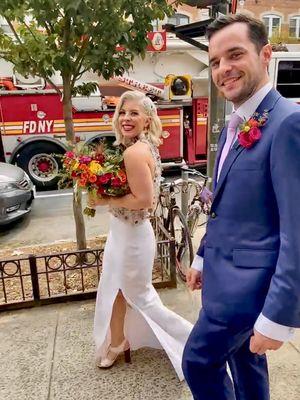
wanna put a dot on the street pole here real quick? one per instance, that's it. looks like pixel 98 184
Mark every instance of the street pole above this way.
pixel 216 118
pixel 216 121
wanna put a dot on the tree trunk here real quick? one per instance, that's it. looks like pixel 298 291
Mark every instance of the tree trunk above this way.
pixel 70 134
pixel 78 216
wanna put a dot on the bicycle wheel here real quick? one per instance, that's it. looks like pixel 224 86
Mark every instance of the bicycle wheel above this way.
pixel 183 243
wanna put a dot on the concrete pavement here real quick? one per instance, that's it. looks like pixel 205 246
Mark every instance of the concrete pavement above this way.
pixel 47 354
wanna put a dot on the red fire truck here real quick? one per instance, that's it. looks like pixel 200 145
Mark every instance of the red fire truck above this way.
pixel 32 127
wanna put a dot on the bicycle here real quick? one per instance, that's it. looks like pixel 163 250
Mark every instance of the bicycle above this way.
pixel 201 201
pixel 175 222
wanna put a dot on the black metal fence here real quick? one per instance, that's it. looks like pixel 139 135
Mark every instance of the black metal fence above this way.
pixel 51 278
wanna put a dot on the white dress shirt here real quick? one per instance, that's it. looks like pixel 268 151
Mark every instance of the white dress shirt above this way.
pixel 263 325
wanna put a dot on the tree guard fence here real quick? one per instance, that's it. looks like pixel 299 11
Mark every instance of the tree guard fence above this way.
pixel 35 280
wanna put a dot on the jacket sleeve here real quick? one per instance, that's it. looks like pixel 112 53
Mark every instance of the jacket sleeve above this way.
pixel 282 304
pixel 200 251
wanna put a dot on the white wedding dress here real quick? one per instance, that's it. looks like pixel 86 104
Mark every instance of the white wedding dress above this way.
pixel 127 266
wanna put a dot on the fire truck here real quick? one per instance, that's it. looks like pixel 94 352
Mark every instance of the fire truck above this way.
pixel 32 127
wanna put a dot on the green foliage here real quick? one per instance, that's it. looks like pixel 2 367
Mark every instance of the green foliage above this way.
pixel 281 37
pixel 74 36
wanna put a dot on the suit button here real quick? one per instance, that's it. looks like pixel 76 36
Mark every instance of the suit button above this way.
pixel 213 215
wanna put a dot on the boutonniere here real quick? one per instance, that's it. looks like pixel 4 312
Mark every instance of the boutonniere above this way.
pixel 250 132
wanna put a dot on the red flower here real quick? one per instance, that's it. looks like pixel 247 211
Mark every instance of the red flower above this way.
pixel 101 190
pixel 100 158
pixel 250 132
pixel 104 178
pixel 70 154
pixel 116 182
pixel 245 140
pixel 255 133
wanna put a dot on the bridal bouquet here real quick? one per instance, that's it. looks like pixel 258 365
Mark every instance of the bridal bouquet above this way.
pixel 99 170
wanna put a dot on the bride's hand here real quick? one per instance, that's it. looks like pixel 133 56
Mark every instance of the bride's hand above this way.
pixel 94 201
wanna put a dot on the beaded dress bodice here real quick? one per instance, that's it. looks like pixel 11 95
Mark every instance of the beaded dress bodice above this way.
pixel 135 217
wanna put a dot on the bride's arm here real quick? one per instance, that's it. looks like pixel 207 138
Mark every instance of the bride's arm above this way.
pixel 136 159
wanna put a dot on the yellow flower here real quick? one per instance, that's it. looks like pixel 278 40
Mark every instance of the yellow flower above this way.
pixel 95 167
pixel 75 165
pixel 247 128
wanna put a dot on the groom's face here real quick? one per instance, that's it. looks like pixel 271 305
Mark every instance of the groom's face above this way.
pixel 238 69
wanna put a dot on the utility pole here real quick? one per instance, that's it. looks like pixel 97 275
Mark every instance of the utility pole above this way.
pixel 216 116
pixel 216 107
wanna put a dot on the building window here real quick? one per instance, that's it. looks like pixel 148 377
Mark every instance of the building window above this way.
pixel 294 30
pixel 288 81
pixel 272 23
pixel 179 19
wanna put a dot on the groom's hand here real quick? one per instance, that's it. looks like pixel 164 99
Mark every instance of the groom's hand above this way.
pixel 194 279
pixel 259 343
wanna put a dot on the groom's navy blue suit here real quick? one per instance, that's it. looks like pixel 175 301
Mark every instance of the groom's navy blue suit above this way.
pixel 251 256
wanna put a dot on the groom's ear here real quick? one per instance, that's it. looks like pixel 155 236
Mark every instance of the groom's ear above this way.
pixel 266 54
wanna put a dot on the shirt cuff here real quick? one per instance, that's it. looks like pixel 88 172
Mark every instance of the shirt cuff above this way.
pixel 197 263
pixel 273 330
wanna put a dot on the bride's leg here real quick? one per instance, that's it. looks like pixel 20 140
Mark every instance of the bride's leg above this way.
pixel 118 343
pixel 117 320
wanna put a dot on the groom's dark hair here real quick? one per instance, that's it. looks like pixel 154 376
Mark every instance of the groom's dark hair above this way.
pixel 256 29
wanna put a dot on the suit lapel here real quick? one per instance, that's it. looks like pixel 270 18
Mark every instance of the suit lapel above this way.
pixel 267 104
pixel 231 157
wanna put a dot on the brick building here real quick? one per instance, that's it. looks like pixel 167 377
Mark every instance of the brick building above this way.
pixel 279 16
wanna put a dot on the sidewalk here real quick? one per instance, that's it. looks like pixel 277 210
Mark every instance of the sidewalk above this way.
pixel 47 354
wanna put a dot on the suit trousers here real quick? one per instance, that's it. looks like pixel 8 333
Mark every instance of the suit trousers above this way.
pixel 213 344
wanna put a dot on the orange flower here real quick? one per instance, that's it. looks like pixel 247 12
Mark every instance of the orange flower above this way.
pixel 122 176
pixel 83 167
pixel 84 176
pixel 253 122
pixel 82 182
pixel 93 178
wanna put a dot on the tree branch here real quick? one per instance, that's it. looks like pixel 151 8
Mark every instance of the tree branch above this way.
pixel 32 33
pixel 48 28
pixel 55 87
pixel 14 31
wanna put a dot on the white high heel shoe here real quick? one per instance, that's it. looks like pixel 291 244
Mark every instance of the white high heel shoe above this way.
pixel 109 362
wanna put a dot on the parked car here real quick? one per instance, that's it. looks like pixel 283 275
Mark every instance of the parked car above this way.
pixel 16 193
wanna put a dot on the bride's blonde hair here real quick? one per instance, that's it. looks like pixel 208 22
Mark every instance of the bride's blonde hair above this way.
pixel 153 132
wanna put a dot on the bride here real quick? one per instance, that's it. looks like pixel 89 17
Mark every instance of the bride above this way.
pixel 129 313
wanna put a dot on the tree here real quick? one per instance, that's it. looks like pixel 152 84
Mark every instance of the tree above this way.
pixel 72 37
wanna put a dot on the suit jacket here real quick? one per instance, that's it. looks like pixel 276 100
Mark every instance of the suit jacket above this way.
pixel 252 245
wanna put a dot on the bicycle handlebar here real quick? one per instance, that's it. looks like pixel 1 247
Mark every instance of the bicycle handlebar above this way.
pixel 193 172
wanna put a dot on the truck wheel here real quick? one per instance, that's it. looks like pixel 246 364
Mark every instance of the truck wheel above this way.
pixel 41 164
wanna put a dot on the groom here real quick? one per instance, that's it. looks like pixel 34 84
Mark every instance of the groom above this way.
pixel 251 250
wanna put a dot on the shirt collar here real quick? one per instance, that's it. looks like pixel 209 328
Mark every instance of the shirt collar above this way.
pixel 247 109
